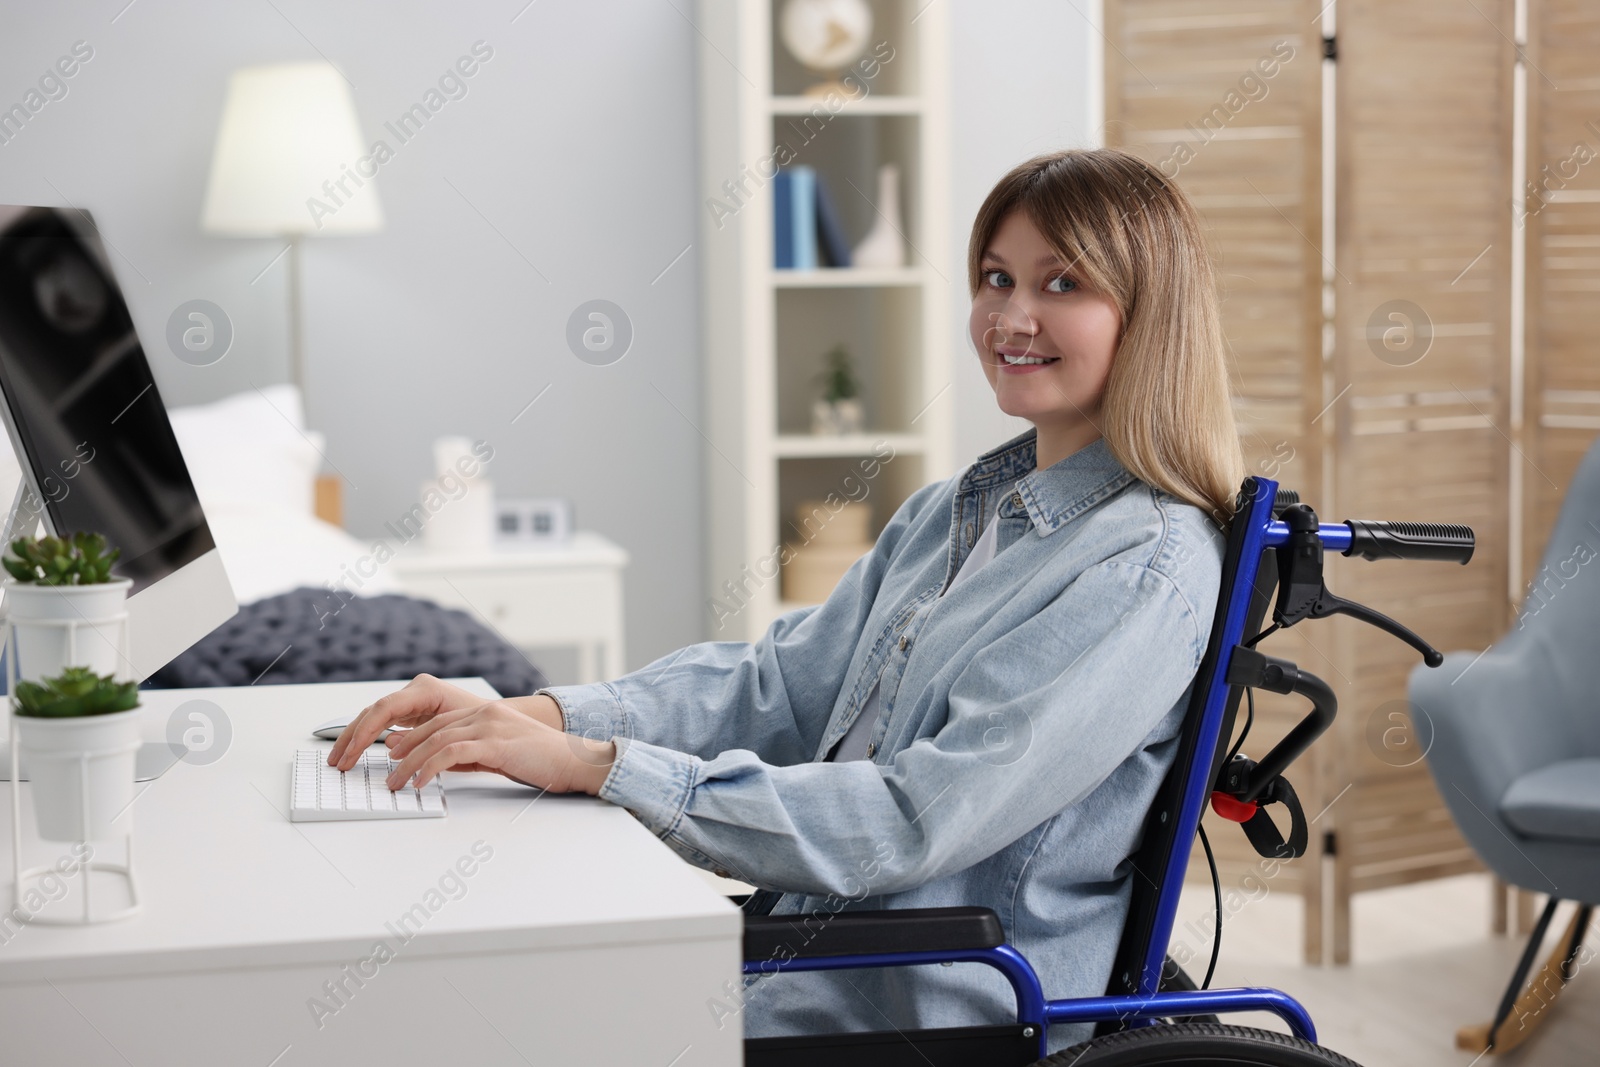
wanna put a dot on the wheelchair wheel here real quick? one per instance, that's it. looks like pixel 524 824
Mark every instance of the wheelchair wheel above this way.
pixel 1196 1045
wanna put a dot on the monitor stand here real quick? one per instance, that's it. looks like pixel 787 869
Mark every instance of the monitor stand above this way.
pixel 23 518
pixel 154 756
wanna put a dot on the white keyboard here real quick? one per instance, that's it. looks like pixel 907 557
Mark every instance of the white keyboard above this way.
pixel 321 793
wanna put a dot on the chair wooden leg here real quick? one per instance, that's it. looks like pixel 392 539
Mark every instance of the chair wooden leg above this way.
pixel 1521 1009
pixel 1575 935
pixel 1497 906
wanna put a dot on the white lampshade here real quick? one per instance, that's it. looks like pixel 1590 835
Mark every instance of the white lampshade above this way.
pixel 288 129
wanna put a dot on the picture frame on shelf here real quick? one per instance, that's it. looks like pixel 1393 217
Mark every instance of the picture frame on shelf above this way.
pixel 540 521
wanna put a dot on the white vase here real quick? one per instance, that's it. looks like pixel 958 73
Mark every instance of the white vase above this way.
pixel 462 521
pixel 45 647
pixel 54 752
pixel 883 246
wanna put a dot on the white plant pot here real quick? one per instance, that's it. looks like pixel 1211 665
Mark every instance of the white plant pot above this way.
pixel 54 750
pixel 836 418
pixel 45 647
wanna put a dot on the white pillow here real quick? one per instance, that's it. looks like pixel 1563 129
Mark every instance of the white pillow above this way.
pixel 271 552
pixel 251 450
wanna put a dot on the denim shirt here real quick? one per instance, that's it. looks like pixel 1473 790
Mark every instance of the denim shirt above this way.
pixel 1026 719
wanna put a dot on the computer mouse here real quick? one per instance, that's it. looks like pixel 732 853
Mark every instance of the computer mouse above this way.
pixel 330 730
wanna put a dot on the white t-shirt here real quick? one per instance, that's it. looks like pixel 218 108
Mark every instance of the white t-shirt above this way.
pixel 854 743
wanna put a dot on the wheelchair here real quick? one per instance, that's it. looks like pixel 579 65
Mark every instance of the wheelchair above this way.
pixel 1151 1012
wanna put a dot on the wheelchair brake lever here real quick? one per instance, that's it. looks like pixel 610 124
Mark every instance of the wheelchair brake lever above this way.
pixel 1303 594
pixel 1328 604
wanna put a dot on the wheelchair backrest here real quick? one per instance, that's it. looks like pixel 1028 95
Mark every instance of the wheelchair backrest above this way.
pixel 1249 581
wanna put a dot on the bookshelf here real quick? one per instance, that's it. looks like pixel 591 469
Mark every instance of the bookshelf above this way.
pixel 766 331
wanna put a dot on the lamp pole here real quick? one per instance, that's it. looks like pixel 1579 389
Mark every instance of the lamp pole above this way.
pixel 297 344
pixel 285 128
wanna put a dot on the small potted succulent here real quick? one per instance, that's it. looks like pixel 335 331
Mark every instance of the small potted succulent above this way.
pixel 838 410
pixel 58 580
pixel 61 721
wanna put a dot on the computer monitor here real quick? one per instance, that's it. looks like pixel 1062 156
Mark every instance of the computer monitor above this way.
pixel 91 433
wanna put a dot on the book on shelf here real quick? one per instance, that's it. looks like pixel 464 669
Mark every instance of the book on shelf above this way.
pixel 795 218
pixel 830 230
pixel 807 232
pixel 804 203
pixel 783 220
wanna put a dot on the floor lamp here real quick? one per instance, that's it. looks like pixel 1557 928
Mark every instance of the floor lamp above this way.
pixel 289 162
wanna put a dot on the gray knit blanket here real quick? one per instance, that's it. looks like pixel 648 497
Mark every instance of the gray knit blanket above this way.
pixel 311 635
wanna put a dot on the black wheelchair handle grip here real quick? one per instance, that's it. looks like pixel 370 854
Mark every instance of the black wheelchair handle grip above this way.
pixel 1378 539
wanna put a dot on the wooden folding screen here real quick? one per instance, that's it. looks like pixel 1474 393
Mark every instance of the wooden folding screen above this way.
pixel 1423 302
pixel 1228 102
pixel 1562 219
pixel 1559 216
pixel 1396 406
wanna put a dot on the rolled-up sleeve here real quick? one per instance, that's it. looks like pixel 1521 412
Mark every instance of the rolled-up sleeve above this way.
pixel 1035 721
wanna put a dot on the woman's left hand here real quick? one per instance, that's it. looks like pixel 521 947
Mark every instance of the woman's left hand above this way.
pixel 497 737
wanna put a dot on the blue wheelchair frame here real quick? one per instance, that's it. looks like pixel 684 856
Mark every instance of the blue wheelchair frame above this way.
pixel 1253 531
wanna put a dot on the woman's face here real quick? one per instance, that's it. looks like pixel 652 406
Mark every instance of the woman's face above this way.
pixel 1045 341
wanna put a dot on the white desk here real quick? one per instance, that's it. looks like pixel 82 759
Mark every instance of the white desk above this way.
pixel 581 940
pixel 557 596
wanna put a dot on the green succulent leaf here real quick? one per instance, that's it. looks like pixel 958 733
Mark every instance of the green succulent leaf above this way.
pixel 77 559
pixel 76 692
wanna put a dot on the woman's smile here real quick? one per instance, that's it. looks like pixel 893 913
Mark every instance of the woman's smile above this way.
pixel 1012 359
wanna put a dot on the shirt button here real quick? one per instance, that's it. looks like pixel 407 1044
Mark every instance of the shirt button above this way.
pixel 720 873
pixel 969 535
pixel 1016 500
pixel 872 749
pixel 905 642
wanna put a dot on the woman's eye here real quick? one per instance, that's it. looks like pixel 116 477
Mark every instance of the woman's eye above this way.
pixel 990 276
pixel 1067 284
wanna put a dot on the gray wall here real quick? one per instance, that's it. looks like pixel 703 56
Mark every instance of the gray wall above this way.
pixel 1025 80
pixel 572 157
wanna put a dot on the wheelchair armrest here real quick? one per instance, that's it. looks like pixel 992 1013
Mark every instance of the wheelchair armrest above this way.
pixel 860 933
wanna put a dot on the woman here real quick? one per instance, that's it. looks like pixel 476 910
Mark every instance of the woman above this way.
pixel 983 709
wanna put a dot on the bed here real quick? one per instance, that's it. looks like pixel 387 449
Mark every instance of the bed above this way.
pixel 304 614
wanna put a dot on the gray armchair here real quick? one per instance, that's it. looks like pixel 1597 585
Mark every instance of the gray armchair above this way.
pixel 1515 750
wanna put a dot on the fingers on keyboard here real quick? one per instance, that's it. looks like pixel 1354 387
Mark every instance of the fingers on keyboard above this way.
pixel 322 793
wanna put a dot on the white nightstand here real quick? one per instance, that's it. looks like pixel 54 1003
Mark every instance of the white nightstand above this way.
pixel 559 596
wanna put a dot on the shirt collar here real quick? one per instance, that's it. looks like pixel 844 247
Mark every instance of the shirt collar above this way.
pixel 1059 493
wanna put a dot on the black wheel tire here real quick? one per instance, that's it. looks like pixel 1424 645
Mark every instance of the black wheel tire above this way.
pixel 1196 1045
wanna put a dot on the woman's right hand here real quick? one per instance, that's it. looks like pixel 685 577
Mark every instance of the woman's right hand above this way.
pixel 420 700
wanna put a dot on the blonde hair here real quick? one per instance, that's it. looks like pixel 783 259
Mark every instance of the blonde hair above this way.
pixel 1129 233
